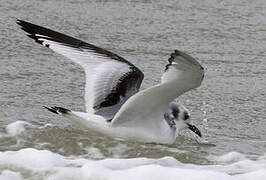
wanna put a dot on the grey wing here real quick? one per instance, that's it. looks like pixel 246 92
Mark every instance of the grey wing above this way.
pixel 182 74
pixel 110 79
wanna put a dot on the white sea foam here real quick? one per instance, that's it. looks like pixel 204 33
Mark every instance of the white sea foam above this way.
pixel 230 157
pixel 16 128
pixel 94 152
pixel 48 165
pixel 10 175
pixel 256 175
pixel 118 150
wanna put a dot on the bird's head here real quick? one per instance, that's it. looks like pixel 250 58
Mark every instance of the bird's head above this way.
pixel 178 117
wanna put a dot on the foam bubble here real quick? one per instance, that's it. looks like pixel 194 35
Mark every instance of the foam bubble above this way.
pixel 31 159
pixel 118 150
pixel 10 175
pixel 16 128
pixel 231 157
pixel 256 175
pixel 48 165
pixel 151 171
pixel 94 152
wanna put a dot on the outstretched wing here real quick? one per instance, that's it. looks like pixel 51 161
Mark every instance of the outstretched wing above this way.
pixel 110 79
pixel 146 108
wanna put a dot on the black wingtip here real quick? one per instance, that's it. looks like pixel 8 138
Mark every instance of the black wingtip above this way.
pixel 185 56
pixel 173 55
pixel 171 58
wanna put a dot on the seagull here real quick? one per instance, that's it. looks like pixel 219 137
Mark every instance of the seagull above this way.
pixel 115 105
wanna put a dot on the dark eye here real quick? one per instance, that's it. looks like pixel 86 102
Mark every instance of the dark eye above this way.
pixel 175 113
pixel 186 116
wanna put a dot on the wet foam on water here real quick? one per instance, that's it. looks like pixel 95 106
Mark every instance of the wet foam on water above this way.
pixel 16 128
pixel 31 163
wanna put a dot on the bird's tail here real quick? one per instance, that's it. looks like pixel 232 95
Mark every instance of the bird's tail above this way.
pixel 58 110
pixel 71 115
pixel 79 119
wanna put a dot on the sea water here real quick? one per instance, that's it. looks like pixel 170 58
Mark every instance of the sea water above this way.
pixel 227 38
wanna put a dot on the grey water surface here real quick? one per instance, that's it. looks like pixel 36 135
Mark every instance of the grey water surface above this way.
pixel 227 37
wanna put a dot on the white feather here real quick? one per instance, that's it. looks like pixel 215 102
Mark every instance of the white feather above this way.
pixel 145 109
pixel 99 70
